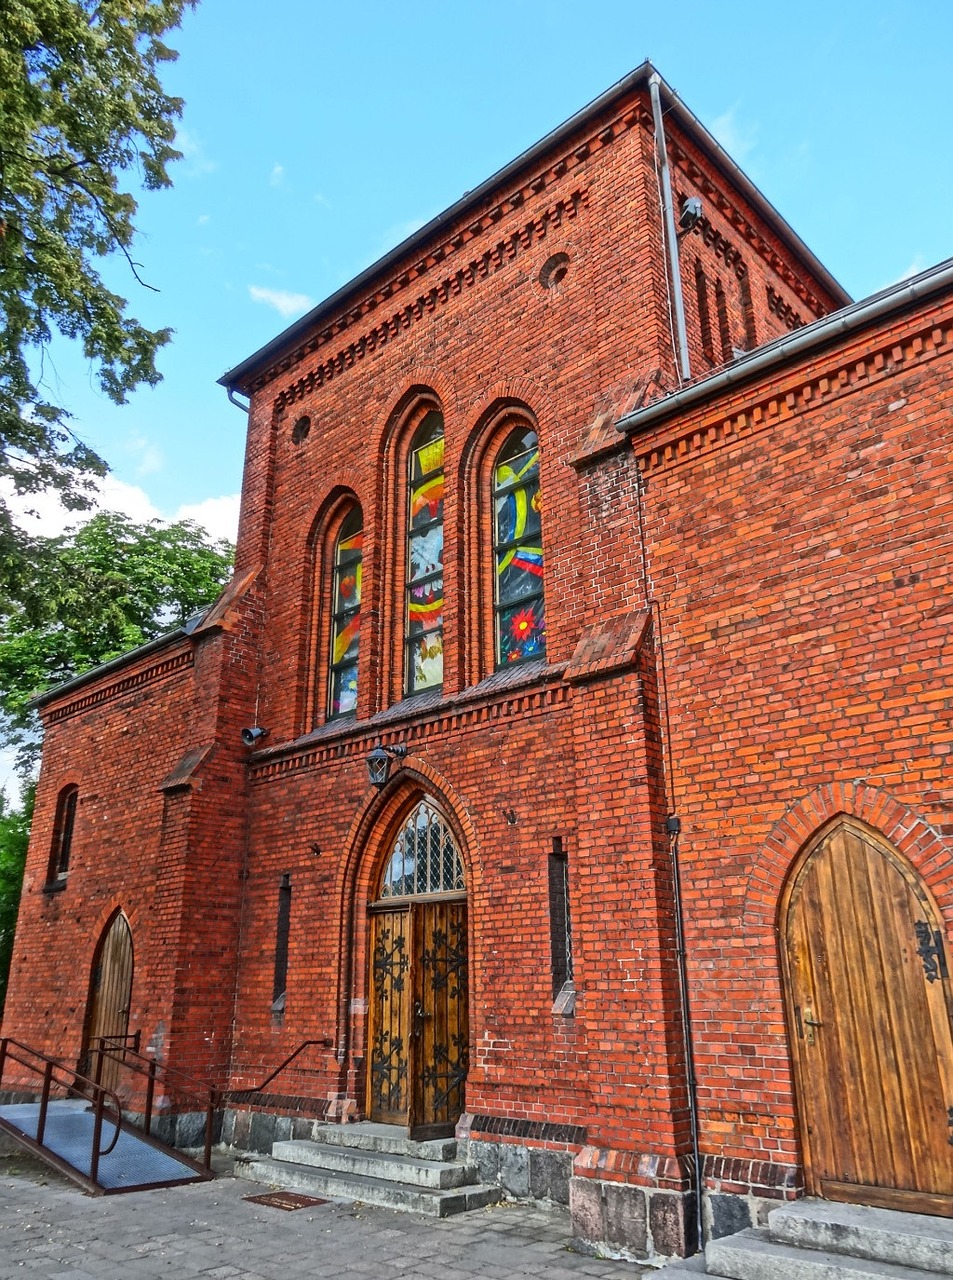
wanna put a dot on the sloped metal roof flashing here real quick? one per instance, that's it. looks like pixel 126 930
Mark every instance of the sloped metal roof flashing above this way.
pixel 235 378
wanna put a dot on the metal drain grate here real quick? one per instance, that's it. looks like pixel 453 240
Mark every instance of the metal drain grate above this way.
pixel 285 1200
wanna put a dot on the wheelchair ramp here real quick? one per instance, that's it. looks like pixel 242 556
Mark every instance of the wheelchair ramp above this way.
pixel 136 1163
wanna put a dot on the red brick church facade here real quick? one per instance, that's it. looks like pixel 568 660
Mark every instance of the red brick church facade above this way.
pixel 655 598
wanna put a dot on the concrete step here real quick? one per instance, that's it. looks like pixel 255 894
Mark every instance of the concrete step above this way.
pixel 378 1191
pixel 385 1165
pixel 368 1136
pixel 883 1235
pixel 684 1268
pixel 753 1255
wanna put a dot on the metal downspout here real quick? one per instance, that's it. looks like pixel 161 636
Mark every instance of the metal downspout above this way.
pixel 671 236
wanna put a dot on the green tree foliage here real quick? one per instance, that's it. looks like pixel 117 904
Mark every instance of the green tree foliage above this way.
pixel 81 109
pixel 14 837
pixel 93 594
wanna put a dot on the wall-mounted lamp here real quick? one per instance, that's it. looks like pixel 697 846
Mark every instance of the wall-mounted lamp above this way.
pixel 252 735
pixel 378 764
pixel 510 817
pixel 690 214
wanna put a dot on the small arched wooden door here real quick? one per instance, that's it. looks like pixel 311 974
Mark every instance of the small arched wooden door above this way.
pixel 110 992
pixel 869 1011
pixel 418 1033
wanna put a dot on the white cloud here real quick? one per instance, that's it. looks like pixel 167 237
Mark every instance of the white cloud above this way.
pixel 194 160
pixel 217 516
pixel 150 457
pixel 285 303
pixel 277 176
pixel 918 264
pixel 738 139
pixel 203 219
pixel 318 198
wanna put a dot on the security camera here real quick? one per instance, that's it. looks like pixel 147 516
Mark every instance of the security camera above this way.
pixel 252 735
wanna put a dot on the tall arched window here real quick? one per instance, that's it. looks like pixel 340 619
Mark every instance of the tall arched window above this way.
pixel 518 550
pixel 423 636
pixel 346 616
pixel 62 847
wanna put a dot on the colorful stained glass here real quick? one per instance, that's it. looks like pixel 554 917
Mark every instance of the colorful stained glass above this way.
pixel 346 616
pixel 518 550
pixel 424 591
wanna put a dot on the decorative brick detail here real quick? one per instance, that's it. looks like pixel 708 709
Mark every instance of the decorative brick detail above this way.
pixel 930 853
pixel 476 270
pixel 536 1130
pixel 99 694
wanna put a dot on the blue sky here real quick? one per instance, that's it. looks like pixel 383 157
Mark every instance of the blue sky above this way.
pixel 317 136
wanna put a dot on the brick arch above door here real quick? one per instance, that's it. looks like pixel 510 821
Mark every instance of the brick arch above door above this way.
pixel 902 826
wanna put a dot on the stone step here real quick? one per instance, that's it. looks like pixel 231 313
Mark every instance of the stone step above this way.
pixel 753 1255
pixel 386 1165
pixel 368 1136
pixel 884 1235
pixel 377 1191
pixel 684 1268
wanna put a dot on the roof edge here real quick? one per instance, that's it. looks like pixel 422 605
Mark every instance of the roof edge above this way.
pixel 828 329
pixel 235 377
pixel 115 664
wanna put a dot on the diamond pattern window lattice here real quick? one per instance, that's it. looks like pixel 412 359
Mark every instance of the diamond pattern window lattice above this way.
pixel 425 857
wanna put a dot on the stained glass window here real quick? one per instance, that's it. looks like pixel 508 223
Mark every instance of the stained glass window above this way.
pixel 346 616
pixel 423 641
pixel 425 858
pixel 518 550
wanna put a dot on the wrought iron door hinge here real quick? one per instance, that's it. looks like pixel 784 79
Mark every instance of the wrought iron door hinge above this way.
pixel 931 951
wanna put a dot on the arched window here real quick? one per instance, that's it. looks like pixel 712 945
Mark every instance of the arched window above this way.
pixel 62 837
pixel 425 858
pixel 346 616
pixel 423 636
pixel 518 550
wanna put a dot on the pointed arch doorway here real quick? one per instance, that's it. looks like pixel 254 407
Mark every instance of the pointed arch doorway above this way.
pixel 418 1032
pixel 110 994
pixel 869 1011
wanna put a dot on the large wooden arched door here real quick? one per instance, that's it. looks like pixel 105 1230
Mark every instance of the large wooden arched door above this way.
pixel 110 992
pixel 418 1034
pixel 869 1010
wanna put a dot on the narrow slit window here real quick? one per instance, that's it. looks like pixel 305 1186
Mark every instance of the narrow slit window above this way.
pixel 62 847
pixel 560 929
pixel 423 642
pixel 518 550
pixel 346 616
pixel 282 934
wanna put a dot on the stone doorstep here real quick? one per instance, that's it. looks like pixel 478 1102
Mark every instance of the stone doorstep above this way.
pixel 368 1136
pixel 370 1190
pixel 385 1165
pixel 884 1235
pixel 753 1255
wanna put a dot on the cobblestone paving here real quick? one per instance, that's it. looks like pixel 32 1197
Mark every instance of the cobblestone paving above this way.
pixel 49 1228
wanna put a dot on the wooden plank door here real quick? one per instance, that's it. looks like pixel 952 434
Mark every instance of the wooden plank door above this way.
pixel 869 1010
pixel 440 1030
pixel 390 1009
pixel 109 997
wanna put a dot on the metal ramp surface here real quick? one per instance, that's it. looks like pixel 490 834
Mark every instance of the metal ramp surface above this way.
pixel 135 1163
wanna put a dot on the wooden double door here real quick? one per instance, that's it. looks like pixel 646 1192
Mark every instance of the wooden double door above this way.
pixel 418 1034
pixel 869 1011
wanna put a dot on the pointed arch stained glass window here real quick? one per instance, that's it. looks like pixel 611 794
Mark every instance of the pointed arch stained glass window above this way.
pixel 518 550
pixel 424 858
pixel 346 616
pixel 423 642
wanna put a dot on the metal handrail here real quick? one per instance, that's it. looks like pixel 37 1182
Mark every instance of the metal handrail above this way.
pixel 325 1043
pixel 75 1083
pixel 142 1064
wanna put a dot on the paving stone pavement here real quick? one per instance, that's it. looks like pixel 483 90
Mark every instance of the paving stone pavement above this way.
pixel 48 1228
